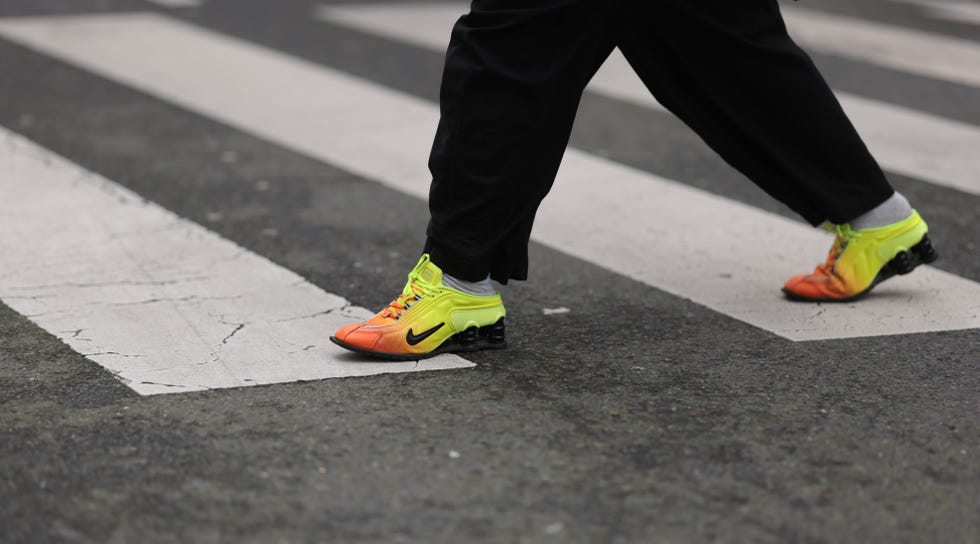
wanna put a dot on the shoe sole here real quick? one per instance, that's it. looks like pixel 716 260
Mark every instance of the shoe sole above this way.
pixel 470 340
pixel 903 263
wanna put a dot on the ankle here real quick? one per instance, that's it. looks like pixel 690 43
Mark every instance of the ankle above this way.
pixel 893 210
pixel 482 288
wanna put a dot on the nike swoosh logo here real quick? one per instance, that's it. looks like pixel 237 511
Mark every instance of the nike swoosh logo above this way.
pixel 413 339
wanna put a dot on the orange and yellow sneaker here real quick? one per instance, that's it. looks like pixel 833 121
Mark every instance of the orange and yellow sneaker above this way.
pixel 861 259
pixel 427 319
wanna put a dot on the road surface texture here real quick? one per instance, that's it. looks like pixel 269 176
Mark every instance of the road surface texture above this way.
pixel 196 192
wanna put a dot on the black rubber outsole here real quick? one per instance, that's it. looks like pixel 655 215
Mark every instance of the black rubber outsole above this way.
pixel 903 263
pixel 468 341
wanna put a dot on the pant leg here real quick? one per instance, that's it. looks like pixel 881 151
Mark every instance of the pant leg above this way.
pixel 730 71
pixel 514 74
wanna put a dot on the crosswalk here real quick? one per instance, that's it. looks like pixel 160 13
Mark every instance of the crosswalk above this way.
pixel 180 341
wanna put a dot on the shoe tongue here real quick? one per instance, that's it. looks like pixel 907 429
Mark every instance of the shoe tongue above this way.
pixel 430 274
pixel 425 273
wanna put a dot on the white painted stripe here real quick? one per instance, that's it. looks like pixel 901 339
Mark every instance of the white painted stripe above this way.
pixel 728 256
pixel 924 53
pixel 164 304
pixel 905 141
pixel 425 24
pixel 178 3
pixel 959 12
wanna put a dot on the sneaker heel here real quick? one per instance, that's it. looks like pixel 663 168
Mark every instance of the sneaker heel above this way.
pixel 903 263
pixel 906 261
pixel 493 335
pixel 924 250
pixel 468 338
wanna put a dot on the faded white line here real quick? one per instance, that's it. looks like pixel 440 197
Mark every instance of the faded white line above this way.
pixel 178 3
pixel 722 254
pixel 907 49
pixel 905 141
pixel 959 12
pixel 164 304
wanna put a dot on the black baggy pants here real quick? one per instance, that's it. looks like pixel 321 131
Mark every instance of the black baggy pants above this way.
pixel 514 75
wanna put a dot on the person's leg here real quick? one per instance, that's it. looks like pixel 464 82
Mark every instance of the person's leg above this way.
pixel 515 71
pixel 731 72
pixel 514 74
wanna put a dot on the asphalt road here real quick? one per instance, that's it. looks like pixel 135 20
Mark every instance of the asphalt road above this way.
pixel 638 416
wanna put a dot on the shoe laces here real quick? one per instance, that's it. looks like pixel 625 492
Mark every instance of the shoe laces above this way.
pixel 415 289
pixel 845 235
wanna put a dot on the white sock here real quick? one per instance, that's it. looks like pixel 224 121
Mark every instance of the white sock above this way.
pixel 481 288
pixel 893 210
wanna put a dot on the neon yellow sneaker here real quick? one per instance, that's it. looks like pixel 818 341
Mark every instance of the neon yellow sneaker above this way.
pixel 861 259
pixel 427 319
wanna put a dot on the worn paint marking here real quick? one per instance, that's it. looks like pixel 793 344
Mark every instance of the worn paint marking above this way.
pixel 161 302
